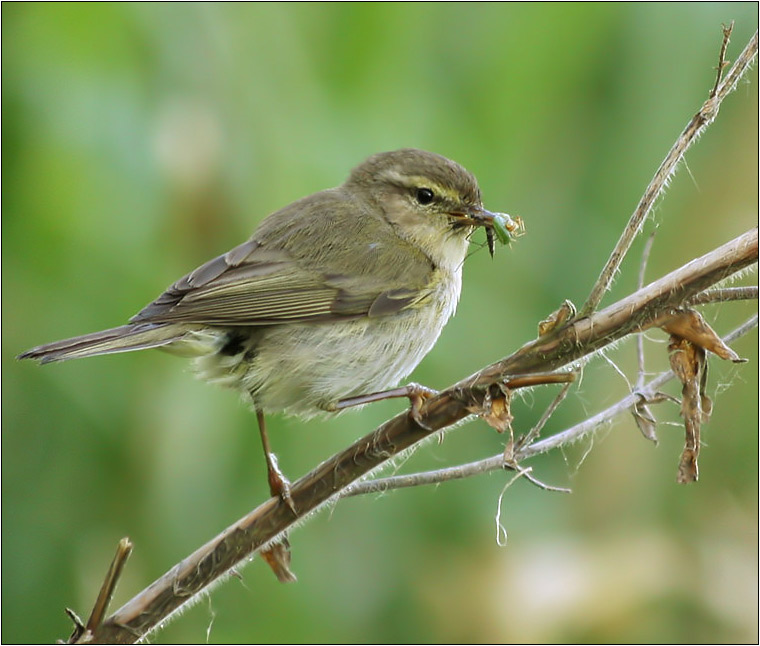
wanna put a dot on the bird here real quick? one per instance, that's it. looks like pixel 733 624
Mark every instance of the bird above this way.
pixel 331 302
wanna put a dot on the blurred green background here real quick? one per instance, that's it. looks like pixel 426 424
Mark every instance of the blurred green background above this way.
pixel 139 140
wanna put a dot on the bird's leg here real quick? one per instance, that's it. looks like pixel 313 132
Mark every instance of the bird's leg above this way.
pixel 279 485
pixel 416 394
pixel 277 555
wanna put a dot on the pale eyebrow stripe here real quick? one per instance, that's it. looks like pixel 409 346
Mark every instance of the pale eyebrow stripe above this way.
pixel 420 181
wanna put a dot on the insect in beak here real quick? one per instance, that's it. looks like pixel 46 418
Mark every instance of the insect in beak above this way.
pixel 497 225
pixel 500 226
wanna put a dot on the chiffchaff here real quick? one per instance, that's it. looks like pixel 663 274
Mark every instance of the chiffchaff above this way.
pixel 337 295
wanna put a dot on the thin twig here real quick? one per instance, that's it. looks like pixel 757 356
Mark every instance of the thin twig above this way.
pixel 84 633
pixel 438 476
pixel 724 294
pixel 643 417
pixel 528 475
pixel 530 436
pixel 699 122
pixel 639 338
pixel 123 550
pixel 727 29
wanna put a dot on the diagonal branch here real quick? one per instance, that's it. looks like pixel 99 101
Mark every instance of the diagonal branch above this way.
pixel 648 392
pixel 630 314
pixel 329 480
pixel 698 124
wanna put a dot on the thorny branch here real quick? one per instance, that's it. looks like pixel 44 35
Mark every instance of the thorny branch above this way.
pixel 567 344
pixel 725 294
pixel 648 392
pixel 696 126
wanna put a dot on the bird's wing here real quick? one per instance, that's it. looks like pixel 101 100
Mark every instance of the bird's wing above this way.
pixel 256 285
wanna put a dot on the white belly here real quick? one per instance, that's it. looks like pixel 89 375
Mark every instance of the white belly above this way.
pixel 302 369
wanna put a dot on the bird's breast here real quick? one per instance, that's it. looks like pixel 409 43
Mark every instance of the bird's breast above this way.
pixel 304 368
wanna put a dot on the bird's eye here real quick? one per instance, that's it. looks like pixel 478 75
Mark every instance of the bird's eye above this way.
pixel 424 195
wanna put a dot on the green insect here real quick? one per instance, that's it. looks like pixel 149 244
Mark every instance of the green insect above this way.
pixel 506 229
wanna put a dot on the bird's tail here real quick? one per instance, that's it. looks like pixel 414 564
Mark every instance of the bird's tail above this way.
pixel 119 339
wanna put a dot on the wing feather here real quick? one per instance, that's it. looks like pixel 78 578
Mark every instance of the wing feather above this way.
pixel 260 282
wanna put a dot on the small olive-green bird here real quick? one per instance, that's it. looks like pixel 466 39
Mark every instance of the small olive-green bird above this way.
pixel 334 297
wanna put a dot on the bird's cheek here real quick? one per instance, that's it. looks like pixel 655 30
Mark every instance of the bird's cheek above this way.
pixel 398 211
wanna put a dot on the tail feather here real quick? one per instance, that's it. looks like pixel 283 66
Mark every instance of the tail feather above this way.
pixel 119 339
